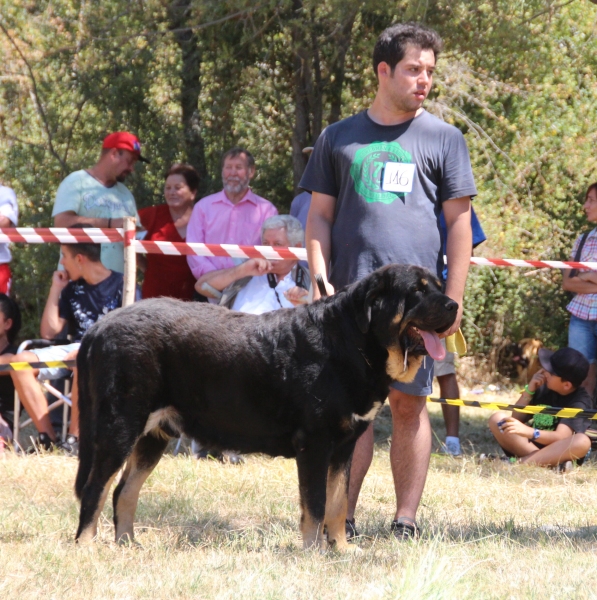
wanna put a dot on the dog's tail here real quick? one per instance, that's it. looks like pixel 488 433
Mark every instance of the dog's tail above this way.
pixel 87 416
pixel 321 285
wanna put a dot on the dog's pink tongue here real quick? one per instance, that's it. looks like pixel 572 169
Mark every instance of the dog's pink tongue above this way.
pixel 433 344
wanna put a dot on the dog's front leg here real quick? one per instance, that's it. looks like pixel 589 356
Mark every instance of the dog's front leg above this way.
pixel 312 462
pixel 337 498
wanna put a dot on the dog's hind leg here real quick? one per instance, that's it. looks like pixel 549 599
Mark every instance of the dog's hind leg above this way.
pixel 312 462
pixel 145 456
pixel 337 498
pixel 94 494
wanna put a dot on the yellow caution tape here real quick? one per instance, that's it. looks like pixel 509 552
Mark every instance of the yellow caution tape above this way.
pixel 26 366
pixel 563 413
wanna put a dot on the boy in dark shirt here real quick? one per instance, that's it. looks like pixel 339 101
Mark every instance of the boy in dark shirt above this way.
pixel 558 384
pixel 79 296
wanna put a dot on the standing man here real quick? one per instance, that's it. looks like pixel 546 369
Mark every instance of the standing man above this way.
pixel 379 181
pixel 97 197
pixel 233 216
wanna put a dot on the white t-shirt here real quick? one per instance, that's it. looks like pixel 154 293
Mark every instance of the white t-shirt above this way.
pixel 258 297
pixel 87 197
pixel 8 208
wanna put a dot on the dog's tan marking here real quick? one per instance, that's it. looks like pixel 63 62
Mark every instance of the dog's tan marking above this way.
pixel 165 416
pixel 128 499
pixel 424 281
pixel 398 318
pixel 395 365
pixel 336 505
pixel 346 424
pixel 370 415
pixel 90 532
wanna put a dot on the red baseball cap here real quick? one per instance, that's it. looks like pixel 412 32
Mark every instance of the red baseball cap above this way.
pixel 123 140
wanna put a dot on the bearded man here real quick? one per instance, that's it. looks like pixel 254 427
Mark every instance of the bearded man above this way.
pixel 232 216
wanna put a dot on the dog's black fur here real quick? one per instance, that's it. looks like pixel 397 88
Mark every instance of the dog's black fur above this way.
pixel 301 382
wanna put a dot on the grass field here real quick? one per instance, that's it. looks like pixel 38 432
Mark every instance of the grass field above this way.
pixel 206 530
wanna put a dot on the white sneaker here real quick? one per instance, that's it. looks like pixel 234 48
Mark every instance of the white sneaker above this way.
pixel 452 446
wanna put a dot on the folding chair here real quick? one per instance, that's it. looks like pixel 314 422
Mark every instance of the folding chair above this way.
pixel 62 398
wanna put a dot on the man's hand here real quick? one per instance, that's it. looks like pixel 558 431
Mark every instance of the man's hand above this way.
pixel 297 295
pixel 537 380
pixel 456 324
pixel 512 426
pixel 60 280
pixel 255 267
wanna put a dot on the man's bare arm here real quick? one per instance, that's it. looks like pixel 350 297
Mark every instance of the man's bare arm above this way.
pixel 222 278
pixel 581 284
pixel 459 246
pixel 70 218
pixel 319 238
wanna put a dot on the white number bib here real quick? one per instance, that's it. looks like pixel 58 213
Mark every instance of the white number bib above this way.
pixel 398 177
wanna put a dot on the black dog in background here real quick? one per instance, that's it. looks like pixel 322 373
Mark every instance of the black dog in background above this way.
pixel 302 382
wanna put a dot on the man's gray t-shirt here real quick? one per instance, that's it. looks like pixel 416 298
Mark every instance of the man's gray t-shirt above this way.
pixel 373 227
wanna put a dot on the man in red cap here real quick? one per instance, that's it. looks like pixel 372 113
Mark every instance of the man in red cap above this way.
pixel 97 196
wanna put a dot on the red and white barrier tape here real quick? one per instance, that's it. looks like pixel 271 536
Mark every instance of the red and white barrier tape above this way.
pixel 62 235
pixel 222 250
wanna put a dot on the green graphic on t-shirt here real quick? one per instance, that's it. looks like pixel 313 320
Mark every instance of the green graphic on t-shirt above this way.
pixel 367 168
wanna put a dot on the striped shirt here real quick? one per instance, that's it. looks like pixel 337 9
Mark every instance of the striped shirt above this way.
pixel 584 306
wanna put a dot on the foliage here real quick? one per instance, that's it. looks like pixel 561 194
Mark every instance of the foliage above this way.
pixel 193 77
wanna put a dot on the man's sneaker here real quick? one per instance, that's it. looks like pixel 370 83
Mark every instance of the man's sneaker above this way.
pixel 43 442
pixel 405 528
pixel 565 467
pixel 70 446
pixel 351 530
pixel 232 458
pixel 452 446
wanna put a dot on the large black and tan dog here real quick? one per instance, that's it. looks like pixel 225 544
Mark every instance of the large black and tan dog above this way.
pixel 301 383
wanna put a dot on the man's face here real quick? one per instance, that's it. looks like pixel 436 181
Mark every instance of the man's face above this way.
pixel 278 238
pixel 68 261
pixel 590 206
pixel 556 384
pixel 123 163
pixel 236 174
pixel 408 87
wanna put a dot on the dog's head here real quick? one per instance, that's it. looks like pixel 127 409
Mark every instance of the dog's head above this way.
pixel 404 307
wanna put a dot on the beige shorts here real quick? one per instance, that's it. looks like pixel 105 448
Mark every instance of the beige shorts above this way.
pixel 446 366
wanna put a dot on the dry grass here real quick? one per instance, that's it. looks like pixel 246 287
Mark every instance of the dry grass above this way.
pixel 211 531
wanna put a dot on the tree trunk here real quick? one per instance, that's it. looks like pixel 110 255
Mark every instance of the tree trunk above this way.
pixel 302 84
pixel 190 88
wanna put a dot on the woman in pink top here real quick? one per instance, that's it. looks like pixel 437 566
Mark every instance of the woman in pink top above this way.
pixel 170 275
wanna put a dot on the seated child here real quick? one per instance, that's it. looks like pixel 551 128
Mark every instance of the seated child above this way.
pixel 10 324
pixel 558 383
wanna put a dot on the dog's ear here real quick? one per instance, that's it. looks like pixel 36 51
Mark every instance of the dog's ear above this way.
pixel 365 294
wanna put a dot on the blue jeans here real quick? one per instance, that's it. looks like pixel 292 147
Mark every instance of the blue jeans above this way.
pixel 582 336
pixel 422 384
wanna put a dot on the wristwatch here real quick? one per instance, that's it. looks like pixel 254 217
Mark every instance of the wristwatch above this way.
pixel 536 433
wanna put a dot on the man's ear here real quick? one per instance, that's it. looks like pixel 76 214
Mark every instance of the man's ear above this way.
pixel 7 324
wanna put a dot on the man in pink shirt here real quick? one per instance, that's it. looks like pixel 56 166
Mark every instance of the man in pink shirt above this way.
pixel 232 216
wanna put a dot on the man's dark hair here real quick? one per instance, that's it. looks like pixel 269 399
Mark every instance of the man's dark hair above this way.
pixel 92 251
pixel 237 151
pixel 592 187
pixel 188 172
pixel 392 43
pixel 10 309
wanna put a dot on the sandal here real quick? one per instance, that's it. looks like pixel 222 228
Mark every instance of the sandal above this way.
pixel 404 528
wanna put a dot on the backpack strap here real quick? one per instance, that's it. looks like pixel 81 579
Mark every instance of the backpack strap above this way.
pixel 574 272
